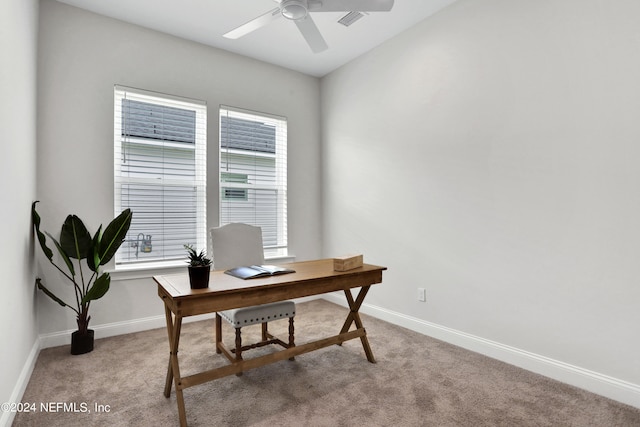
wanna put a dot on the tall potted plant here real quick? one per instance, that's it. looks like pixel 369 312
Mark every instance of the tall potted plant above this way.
pixel 75 243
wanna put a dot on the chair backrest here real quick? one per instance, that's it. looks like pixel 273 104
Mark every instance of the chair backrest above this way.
pixel 235 245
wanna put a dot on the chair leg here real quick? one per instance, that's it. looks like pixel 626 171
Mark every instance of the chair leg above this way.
pixel 238 348
pixel 218 333
pixel 265 333
pixel 291 337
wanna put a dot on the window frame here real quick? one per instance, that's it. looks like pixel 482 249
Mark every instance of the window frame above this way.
pixel 199 169
pixel 278 155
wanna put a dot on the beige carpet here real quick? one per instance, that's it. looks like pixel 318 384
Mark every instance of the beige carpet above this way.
pixel 418 381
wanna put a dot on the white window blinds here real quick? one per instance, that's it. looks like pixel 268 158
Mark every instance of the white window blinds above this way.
pixel 253 174
pixel 160 173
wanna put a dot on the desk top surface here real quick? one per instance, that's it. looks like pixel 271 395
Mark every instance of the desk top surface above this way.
pixel 177 285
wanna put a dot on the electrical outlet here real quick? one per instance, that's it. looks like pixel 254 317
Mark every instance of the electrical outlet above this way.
pixel 422 294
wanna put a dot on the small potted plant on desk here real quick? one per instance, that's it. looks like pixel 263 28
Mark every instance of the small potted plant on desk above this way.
pixel 199 268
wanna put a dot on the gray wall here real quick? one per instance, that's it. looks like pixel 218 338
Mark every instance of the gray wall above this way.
pixel 82 55
pixel 490 155
pixel 18 329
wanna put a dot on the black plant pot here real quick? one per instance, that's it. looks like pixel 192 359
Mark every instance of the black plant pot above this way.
pixel 82 343
pixel 199 277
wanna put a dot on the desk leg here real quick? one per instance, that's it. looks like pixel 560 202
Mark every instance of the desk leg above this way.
pixel 174 324
pixel 354 316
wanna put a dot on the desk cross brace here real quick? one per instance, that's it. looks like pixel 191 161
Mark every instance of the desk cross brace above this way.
pixel 354 316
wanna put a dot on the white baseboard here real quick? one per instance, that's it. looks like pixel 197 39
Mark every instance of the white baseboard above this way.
pixel 56 339
pixel 6 417
pixel 126 327
pixel 613 388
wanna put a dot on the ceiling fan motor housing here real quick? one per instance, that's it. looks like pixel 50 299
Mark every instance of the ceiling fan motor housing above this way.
pixel 294 9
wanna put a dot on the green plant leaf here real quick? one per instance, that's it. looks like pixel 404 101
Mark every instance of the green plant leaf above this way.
pixel 99 288
pixel 113 236
pixel 75 240
pixel 63 255
pixel 50 294
pixel 41 237
pixel 195 258
pixel 93 261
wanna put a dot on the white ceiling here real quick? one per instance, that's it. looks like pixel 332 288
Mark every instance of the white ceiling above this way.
pixel 280 43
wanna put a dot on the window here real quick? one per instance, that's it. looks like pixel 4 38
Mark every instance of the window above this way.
pixel 253 174
pixel 160 173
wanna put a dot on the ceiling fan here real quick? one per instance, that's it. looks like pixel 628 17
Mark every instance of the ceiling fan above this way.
pixel 298 12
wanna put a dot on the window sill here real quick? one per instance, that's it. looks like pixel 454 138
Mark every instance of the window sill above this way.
pixel 147 271
pixel 280 259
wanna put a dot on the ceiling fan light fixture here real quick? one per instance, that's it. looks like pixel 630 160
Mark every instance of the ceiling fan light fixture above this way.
pixel 294 9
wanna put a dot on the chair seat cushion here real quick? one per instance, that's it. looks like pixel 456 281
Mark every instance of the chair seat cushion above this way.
pixel 245 316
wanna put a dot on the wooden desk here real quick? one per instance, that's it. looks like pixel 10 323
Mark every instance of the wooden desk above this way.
pixel 225 292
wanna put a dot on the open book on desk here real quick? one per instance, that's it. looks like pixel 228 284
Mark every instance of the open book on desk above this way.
pixel 254 271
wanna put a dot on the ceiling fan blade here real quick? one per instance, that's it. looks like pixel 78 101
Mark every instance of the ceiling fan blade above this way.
pixel 254 24
pixel 350 5
pixel 311 34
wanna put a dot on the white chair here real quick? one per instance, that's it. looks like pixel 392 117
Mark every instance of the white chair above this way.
pixel 236 245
